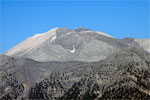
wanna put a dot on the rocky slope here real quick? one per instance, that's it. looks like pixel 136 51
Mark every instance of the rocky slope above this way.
pixel 78 64
pixel 61 44
pixel 145 43
pixel 124 75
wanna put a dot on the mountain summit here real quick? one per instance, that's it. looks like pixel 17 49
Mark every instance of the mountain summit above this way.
pixel 80 64
pixel 61 44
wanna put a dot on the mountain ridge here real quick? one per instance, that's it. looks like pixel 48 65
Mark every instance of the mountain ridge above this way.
pixel 70 45
pixel 76 64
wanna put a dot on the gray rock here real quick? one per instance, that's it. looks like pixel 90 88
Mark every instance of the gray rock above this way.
pixel 61 44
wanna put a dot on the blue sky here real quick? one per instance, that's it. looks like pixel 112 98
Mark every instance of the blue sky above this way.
pixel 22 19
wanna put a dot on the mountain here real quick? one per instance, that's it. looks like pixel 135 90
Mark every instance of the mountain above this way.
pixel 79 64
pixel 145 43
pixel 61 44
pixel 123 75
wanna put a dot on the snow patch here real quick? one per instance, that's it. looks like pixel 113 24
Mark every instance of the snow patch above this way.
pixel 73 50
pixel 69 33
pixel 53 38
pixel 58 56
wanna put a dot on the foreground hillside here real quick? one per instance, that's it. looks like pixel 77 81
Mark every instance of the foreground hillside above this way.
pixel 123 75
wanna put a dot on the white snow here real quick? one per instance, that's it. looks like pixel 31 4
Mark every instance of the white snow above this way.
pixel 69 33
pixel 53 38
pixel 73 50
pixel 58 56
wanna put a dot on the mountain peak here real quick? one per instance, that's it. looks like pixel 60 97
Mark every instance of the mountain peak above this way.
pixel 81 29
pixel 62 44
pixel 59 31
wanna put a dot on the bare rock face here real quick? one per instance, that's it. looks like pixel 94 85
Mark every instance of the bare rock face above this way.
pixel 145 43
pixel 61 44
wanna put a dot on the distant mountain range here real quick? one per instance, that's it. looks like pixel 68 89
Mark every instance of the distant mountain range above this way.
pixel 80 64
